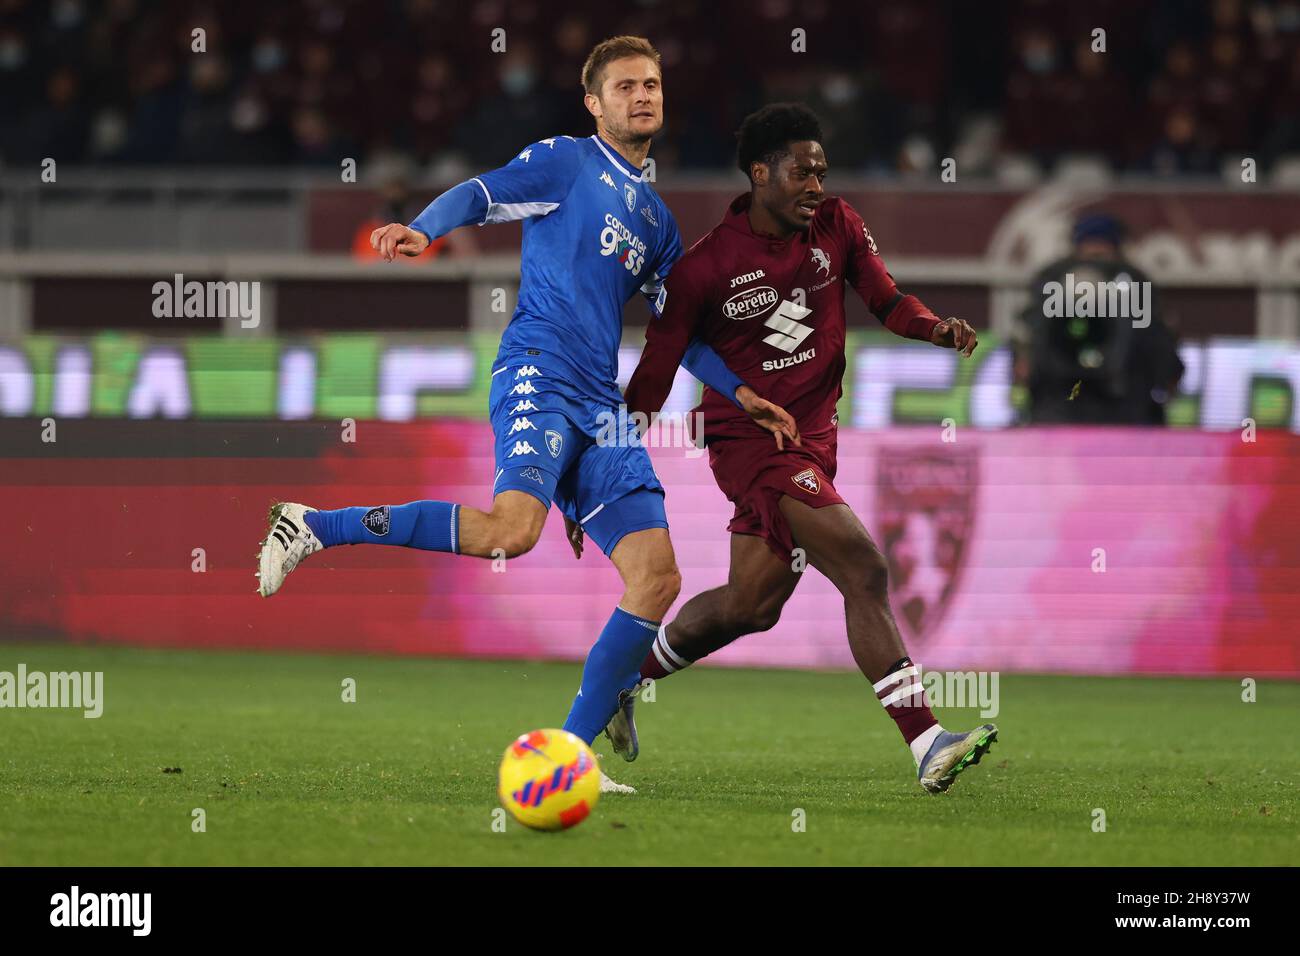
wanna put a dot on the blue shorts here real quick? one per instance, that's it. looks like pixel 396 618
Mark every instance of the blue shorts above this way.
pixel 558 444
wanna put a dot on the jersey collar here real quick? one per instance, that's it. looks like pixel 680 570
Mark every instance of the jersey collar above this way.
pixel 737 217
pixel 616 160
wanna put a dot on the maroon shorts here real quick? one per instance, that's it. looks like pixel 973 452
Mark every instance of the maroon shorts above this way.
pixel 754 475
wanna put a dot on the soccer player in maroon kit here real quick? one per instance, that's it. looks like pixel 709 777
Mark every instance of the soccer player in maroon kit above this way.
pixel 765 289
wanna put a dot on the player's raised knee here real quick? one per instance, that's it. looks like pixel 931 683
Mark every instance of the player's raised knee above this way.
pixel 517 520
pixel 516 541
pixel 856 567
pixel 662 586
pixel 763 616
pixel 646 561
pixel 655 589
pixel 748 613
pixel 871 570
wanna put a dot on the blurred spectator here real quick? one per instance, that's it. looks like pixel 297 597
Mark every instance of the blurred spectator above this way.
pixel 1184 146
pixel 521 111
pixel 1098 368
pixel 437 102
pixel 205 127
pixel 60 130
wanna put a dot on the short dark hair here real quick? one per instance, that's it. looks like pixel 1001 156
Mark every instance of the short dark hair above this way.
pixel 606 52
pixel 765 136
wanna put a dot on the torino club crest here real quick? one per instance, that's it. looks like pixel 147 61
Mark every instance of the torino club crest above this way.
pixel 925 512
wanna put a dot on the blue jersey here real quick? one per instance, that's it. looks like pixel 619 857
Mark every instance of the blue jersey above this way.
pixel 595 233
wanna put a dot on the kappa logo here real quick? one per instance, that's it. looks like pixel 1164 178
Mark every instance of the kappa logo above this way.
pixel 376 521
pixel 522 448
pixel 522 424
pixel 554 442
pixel 526 153
pixel 532 474
pixel 807 479
pixel 526 370
pixel 629 197
pixel 525 405
pixel 526 387
pixel 604 178
pixel 822 259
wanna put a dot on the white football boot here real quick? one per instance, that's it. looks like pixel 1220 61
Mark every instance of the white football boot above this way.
pixel 288 540
pixel 951 753
pixel 609 786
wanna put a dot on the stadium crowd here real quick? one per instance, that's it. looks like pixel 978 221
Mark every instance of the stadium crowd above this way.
pixel 1183 85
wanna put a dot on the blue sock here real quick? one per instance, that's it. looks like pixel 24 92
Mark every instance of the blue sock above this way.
pixel 613 664
pixel 428 525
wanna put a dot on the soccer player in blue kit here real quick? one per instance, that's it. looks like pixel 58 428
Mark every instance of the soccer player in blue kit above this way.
pixel 595 233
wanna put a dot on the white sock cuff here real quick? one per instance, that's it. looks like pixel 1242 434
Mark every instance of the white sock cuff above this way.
pixel 661 643
pixel 894 677
pixel 910 690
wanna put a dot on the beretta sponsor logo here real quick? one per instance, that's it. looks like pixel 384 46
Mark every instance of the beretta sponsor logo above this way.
pixel 750 302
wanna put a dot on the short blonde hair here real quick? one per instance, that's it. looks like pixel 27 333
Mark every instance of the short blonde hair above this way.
pixel 607 51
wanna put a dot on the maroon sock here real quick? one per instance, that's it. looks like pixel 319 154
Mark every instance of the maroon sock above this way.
pixel 662 659
pixel 651 669
pixel 903 696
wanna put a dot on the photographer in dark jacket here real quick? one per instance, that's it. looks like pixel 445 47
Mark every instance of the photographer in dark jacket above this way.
pixel 1098 351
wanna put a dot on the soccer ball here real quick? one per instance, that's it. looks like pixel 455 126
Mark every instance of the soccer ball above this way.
pixel 549 780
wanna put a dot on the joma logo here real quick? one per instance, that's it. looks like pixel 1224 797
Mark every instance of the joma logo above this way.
pixel 747 277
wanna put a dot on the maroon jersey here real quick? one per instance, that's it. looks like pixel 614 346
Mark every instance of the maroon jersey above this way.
pixel 773 310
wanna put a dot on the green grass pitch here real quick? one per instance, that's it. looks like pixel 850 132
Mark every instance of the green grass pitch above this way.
pixel 287 773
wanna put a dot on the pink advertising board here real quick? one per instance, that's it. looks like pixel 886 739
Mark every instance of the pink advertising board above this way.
pixel 996 541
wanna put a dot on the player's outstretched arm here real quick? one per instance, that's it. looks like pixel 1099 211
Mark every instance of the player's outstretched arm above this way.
pixel 534 183
pixel 904 315
pixel 458 206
